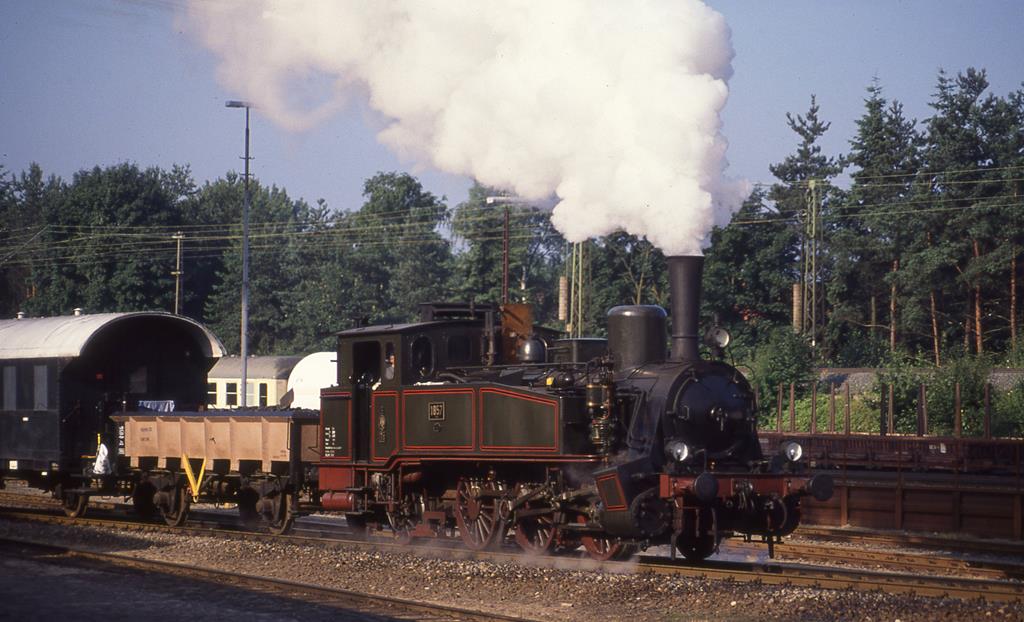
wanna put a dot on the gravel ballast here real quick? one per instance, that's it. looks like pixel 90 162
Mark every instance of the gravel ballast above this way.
pixel 517 588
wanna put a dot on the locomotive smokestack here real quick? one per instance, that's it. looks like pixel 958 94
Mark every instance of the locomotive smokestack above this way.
pixel 684 273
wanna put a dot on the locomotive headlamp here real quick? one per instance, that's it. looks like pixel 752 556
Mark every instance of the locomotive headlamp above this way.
pixel 792 451
pixel 717 337
pixel 678 451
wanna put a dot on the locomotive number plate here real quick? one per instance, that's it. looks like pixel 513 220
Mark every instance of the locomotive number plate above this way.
pixel 435 411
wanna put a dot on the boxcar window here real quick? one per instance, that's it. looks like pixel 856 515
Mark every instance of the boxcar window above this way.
pixel 263 394
pixel 10 387
pixel 231 394
pixel 40 389
pixel 460 349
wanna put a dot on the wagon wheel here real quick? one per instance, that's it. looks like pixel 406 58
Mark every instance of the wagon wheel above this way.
pixel 405 520
pixel 357 524
pixel 536 532
pixel 74 504
pixel 696 548
pixel 142 500
pixel 176 511
pixel 603 548
pixel 278 514
pixel 402 527
pixel 607 548
pixel 783 515
pixel 247 512
pixel 695 542
pixel 476 514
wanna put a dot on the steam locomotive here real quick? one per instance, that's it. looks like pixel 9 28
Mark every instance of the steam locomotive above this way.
pixel 474 422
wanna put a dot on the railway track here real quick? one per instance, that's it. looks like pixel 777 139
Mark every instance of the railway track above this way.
pixel 991 587
pixel 385 606
pixel 902 561
pixel 923 541
pixel 794 549
pixel 843 578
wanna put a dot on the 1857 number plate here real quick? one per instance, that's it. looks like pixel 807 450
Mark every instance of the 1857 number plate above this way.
pixel 435 411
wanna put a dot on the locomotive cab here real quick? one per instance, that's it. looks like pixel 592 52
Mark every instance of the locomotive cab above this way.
pixel 383 357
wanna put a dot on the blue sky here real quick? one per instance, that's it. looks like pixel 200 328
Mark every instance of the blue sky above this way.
pixel 94 82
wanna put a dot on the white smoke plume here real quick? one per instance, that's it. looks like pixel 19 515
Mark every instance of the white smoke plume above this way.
pixel 612 107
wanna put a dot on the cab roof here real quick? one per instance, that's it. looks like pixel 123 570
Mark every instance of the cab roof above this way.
pixel 412 327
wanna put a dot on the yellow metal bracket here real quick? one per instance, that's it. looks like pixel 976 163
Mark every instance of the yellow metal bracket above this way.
pixel 193 481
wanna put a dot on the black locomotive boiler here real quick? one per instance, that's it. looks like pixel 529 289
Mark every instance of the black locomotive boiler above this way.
pixel 470 423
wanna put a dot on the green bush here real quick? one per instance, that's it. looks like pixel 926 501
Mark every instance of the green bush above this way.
pixel 972 373
pixel 785 358
pixel 864 416
pixel 1008 412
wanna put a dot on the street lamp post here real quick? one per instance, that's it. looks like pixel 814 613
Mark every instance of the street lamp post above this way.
pixel 245 256
pixel 179 236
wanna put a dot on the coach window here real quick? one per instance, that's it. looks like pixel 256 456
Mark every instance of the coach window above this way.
pixel 10 388
pixel 211 392
pixel 231 394
pixel 39 388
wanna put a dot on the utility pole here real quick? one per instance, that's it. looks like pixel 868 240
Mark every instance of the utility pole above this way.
pixel 505 201
pixel 812 232
pixel 579 268
pixel 504 260
pixel 177 274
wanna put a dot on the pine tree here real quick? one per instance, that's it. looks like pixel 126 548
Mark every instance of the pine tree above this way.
pixel 805 178
pixel 964 191
pixel 872 233
pixel 535 253
pixel 749 271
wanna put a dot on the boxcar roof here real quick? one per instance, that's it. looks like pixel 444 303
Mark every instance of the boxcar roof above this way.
pixel 67 336
pixel 258 367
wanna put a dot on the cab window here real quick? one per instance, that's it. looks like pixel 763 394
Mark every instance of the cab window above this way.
pixel 421 354
pixel 366 362
pixel 389 361
pixel 460 349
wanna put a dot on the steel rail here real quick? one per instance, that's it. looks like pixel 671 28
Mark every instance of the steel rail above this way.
pixel 863 536
pixel 892 560
pixel 841 578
